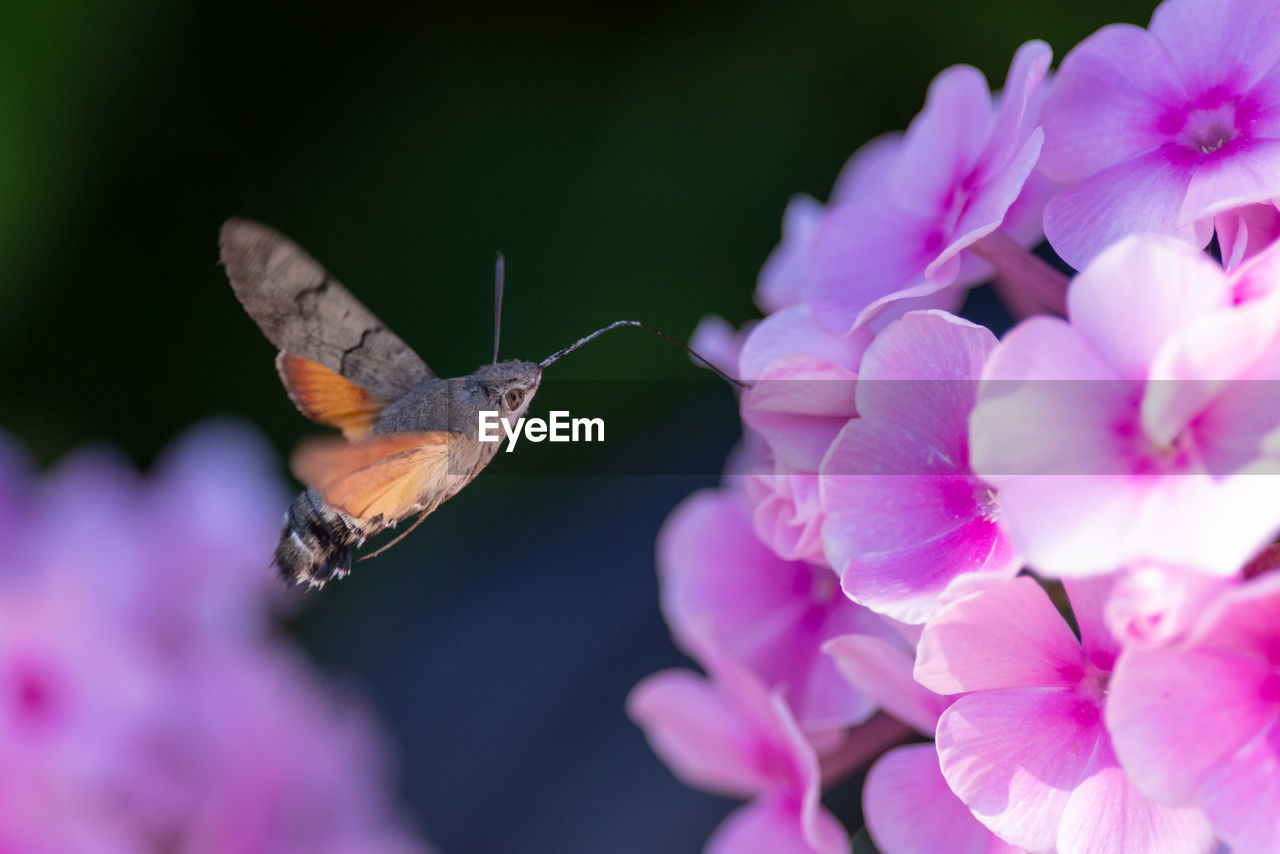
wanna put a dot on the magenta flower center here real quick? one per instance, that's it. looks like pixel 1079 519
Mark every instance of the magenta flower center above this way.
pixel 33 696
pixel 986 501
pixel 1094 683
pixel 1208 129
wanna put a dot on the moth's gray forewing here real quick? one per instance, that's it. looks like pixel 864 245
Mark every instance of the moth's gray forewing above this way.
pixel 304 310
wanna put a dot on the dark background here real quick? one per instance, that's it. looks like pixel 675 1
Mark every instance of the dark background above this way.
pixel 632 160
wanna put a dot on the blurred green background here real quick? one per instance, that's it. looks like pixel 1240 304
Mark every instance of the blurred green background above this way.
pixel 631 160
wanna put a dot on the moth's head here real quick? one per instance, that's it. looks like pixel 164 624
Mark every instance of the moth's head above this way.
pixel 510 386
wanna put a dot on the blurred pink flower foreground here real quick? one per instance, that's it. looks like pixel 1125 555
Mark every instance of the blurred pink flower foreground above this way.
pixel 144 705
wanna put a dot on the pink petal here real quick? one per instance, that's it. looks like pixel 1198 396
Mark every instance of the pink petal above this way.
pixel 696 733
pixel 1176 717
pixel 1138 294
pixel 775 826
pixel 910 810
pixel 1008 635
pixel 1106 814
pixel 1228 43
pixel 901 536
pixel 1077 525
pixel 921 372
pixel 943 141
pixel 771 615
pixel 1201 383
pixel 1104 107
pixel 948 299
pixel 1140 195
pixel 867 171
pixel 1246 231
pixel 931 291
pixel 866 252
pixel 705 543
pixel 1089 597
pixel 1249 173
pixel 1239 796
pixel 785 274
pixel 1201 722
pixel 798 407
pixel 987 209
pixel 881 670
pixel 1259 276
pixel 1011 130
pixel 1248 618
pixel 793 331
pixel 1264 101
pixel 715 338
pixel 1024 221
pixel 1070 525
pixel 1105 103
pixel 788 513
pixel 1153 604
pixel 912 582
pixel 997 181
pixel 1211 523
pixel 1015 755
pixel 1049 404
pixel 1234 431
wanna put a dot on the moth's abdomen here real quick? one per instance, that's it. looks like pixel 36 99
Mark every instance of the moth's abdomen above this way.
pixel 315 545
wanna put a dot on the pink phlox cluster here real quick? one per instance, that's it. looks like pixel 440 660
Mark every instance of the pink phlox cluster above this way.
pixel 1068 535
pixel 145 703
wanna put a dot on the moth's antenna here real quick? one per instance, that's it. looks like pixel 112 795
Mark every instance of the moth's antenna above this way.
pixel 499 274
pixel 554 357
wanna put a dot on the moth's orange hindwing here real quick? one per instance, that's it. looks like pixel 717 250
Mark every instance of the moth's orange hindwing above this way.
pixel 389 476
pixel 327 397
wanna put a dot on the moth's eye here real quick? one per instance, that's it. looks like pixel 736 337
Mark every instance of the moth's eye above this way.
pixel 514 398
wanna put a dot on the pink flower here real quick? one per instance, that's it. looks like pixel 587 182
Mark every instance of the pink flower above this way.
pixel 1160 130
pixel 1025 747
pixel 906 523
pixel 1138 430
pixel 959 169
pixel 731 735
pixel 1198 723
pixel 771 615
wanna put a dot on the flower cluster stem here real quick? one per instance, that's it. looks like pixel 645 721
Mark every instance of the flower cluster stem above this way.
pixel 1026 283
